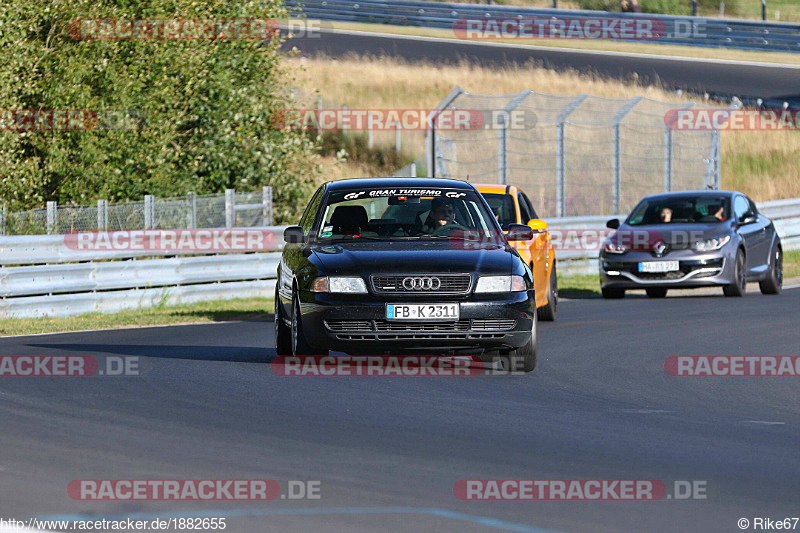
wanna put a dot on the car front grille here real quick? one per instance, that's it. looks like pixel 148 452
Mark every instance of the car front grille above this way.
pixel 443 284
pixel 391 330
pixel 686 267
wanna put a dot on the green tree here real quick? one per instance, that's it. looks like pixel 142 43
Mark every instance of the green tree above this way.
pixel 199 110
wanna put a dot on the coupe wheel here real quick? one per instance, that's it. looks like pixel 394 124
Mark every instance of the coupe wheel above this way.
pixel 549 311
pixel 739 287
pixel 774 282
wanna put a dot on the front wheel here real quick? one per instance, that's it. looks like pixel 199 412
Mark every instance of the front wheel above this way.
pixel 549 311
pixel 283 334
pixel 774 282
pixel 739 286
pixel 299 344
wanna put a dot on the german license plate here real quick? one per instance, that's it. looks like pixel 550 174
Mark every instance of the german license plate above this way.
pixel 422 311
pixel 658 266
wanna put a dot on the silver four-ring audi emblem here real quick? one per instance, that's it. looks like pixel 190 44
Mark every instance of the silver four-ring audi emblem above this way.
pixel 421 283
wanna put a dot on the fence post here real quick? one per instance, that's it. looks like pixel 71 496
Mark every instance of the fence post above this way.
pixel 430 132
pixel 412 170
pixel 561 170
pixel 192 210
pixel 266 199
pixel 319 115
pixel 52 217
pixel 102 214
pixel 230 207
pixel 149 211
pixel 617 160
pixel 345 118
pixel 502 150
pixel 667 159
pixel 2 220
pixel 397 139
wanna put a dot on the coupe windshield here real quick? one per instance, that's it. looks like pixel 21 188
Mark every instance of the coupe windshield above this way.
pixel 681 210
pixel 503 207
pixel 404 214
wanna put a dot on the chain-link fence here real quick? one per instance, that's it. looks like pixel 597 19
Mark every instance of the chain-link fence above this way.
pixel 228 210
pixel 574 155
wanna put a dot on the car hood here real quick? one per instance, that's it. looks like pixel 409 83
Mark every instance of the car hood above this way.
pixel 675 236
pixel 411 257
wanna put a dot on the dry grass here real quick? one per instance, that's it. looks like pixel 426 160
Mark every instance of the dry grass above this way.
pixel 765 165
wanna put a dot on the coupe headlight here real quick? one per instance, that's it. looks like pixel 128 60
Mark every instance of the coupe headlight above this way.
pixel 500 284
pixel 340 284
pixel 711 244
pixel 613 248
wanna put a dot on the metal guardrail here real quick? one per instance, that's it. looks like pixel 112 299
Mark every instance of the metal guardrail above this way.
pixel 784 213
pixel 41 276
pixel 689 31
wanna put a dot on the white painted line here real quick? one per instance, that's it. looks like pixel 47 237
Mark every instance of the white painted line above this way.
pixel 644 411
pixel 764 422
pixel 682 59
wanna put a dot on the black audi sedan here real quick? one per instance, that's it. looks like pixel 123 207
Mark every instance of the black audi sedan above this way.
pixel 405 265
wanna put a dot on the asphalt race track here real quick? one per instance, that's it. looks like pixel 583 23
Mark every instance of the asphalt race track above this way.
pixel 718 77
pixel 388 450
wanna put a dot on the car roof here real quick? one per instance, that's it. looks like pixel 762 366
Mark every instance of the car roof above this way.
pixel 495 188
pixel 688 194
pixel 360 183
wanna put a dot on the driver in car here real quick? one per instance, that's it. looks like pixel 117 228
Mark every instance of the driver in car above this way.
pixel 441 215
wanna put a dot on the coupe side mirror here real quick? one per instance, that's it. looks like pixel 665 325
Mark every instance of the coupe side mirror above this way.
pixel 538 226
pixel 748 218
pixel 613 223
pixel 294 234
pixel 519 232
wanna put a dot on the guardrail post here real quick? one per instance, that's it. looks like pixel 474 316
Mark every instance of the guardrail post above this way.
pixel 102 214
pixel 192 210
pixel 561 170
pixel 230 207
pixel 2 220
pixel 52 217
pixel 617 160
pixel 266 199
pixel 149 211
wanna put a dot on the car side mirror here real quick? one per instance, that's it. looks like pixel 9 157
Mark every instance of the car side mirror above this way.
pixel 519 232
pixel 748 218
pixel 294 235
pixel 537 225
pixel 613 223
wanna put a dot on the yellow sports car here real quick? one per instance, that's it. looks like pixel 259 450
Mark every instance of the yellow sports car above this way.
pixel 512 206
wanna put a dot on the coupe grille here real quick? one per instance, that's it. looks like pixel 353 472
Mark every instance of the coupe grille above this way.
pixel 423 283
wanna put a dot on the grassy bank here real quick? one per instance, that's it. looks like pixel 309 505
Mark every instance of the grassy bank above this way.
pixel 764 165
pixel 200 313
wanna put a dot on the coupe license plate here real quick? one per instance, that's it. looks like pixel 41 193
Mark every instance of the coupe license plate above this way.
pixel 422 311
pixel 658 266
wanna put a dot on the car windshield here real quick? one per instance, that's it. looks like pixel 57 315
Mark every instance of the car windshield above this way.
pixel 405 214
pixel 503 208
pixel 703 209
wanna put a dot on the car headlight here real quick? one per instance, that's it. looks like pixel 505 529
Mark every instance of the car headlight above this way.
pixel 714 243
pixel 613 248
pixel 340 284
pixel 500 284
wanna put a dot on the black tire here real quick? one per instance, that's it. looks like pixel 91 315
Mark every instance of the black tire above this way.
pixel 738 288
pixel 612 294
pixel 283 334
pixel 773 284
pixel 548 312
pixel 523 358
pixel 298 341
pixel 656 292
